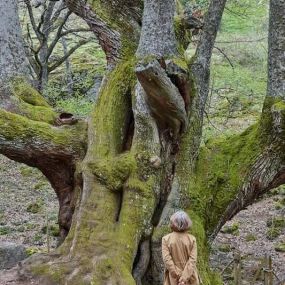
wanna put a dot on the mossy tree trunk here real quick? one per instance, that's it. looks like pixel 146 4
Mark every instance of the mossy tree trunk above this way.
pixel 138 163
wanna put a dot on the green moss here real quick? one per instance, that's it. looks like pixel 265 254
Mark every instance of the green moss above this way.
pixel 112 112
pixel 16 128
pixel 183 35
pixel 32 250
pixel 56 273
pixel 30 102
pixel 220 165
pixel 231 229
pixel 113 172
pixel 40 185
pixel 23 90
pixel 26 171
pixel 114 14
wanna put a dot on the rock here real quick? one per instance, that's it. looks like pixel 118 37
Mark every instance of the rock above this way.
pixel 11 254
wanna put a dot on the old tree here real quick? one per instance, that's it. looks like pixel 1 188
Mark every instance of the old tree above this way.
pixel 120 175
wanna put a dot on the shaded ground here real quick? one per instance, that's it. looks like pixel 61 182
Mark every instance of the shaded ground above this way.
pixel 253 232
pixel 26 201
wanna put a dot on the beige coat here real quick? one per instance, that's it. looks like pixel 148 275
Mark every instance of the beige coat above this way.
pixel 179 252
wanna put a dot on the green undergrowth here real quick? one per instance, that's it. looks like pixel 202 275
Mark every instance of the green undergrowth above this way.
pixel 238 69
pixel 222 164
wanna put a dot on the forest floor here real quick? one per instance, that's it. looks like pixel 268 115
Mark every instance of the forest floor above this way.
pixel 254 232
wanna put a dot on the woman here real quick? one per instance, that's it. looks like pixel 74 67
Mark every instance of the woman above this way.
pixel 179 252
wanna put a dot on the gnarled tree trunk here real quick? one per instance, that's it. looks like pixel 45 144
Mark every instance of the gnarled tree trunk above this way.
pixel 138 164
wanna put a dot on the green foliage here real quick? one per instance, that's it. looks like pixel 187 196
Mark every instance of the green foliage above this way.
pixel 277 222
pixel 237 92
pixel 250 237
pixel 53 230
pixel 273 233
pixel 35 207
pixel 32 250
pixel 231 229
pixel 242 17
pixel 224 248
pixel 77 105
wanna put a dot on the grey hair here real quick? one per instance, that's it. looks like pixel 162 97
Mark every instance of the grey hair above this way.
pixel 180 222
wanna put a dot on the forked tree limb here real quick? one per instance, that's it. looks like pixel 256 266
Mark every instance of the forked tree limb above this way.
pixel 163 97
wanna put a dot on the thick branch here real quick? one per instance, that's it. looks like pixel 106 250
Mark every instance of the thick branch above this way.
pixel 164 99
pixel 109 39
pixel 32 142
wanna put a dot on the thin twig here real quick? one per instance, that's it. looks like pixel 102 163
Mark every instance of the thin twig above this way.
pixel 225 56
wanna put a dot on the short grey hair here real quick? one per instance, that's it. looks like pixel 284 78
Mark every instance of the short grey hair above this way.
pixel 180 222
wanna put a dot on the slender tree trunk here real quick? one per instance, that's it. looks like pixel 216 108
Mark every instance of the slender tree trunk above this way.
pixel 68 71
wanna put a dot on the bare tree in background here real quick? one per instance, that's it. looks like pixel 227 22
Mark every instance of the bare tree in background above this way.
pixel 48 25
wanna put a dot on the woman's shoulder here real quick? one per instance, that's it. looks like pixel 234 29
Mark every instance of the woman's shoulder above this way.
pixel 167 237
pixel 191 237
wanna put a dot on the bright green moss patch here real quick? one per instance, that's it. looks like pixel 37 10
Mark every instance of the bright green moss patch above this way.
pixel 30 102
pixel 113 172
pixel 38 113
pixel 27 93
pixel 112 112
pixel 221 166
pixel 18 129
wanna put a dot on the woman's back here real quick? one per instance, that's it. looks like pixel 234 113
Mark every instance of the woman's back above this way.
pixel 179 252
pixel 180 245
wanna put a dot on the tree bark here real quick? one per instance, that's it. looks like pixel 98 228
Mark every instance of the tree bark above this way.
pixel 141 159
pixel 12 46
